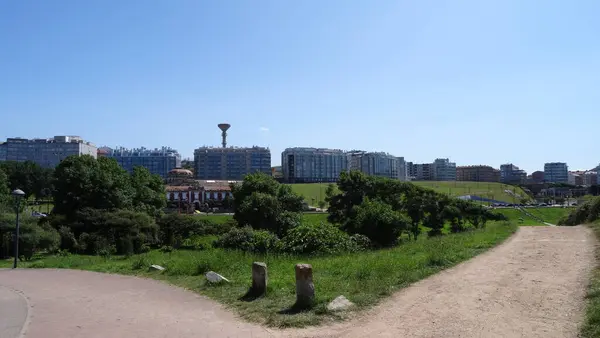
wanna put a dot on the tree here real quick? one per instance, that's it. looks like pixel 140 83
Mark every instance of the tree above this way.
pixel 263 203
pixel 84 182
pixel 4 191
pixel 378 221
pixel 149 192
pixel 27 176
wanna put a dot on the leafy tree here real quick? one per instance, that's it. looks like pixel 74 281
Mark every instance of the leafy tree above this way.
pixel 84 182
pixel 4 191
pixel 27 176
pixel 149 192
pixel 378 221
pixel 263 203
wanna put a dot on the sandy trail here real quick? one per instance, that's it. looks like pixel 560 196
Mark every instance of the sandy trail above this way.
pixel 531 286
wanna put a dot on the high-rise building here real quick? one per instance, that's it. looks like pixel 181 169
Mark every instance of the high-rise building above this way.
pixel 443 170
pixel 377 164
pixel 511 174
pixel 556 172
pixel 477 173
pixel 307 165
pixel 232 163
pixel 47 153
pixel 157 161
pixel 422 172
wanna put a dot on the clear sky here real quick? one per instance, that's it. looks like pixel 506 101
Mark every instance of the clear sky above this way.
pixel 480 82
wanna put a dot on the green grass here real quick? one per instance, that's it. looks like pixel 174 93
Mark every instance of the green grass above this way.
pixel 315 192
pixel 312 192
pixel 364 278
pixel 591 326
pixel 550 215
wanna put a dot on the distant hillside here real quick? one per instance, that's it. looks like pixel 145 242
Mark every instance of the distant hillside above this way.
pixel 315 192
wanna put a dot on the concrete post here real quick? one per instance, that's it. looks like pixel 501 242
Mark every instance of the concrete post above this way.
pixel 259 278
pixel 305 289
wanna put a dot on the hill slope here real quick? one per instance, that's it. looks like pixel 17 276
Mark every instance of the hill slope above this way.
pixel 315 192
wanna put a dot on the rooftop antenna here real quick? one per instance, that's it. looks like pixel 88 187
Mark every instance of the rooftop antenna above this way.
pixel 224 127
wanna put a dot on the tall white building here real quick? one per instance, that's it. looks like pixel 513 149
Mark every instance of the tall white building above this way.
pixel 308 165
pixel 47 153
pixel 556 172
pixel 443 170
pixel 378 164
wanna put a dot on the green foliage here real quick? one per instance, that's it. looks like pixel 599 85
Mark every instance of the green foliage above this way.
pixel 33 238
pixel 4 191
pixel 27 176
pixel 175 228
pixel 149 191
pixel 587 212
pixel 262 203
pixel 378 221
pixel 246 239
pixel 317 238
pixel 398 207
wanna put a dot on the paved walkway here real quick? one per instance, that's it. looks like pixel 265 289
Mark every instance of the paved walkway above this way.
pixel 531 286
pixel 13 313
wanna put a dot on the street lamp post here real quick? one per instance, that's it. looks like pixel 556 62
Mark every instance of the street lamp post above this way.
pixel 17 194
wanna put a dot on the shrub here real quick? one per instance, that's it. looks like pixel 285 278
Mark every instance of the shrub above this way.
pixel 174 228
pixel 584 213
pixel 317 238
pixel 377 221
pixel 67 239
pixel 247 239
pixel 362 242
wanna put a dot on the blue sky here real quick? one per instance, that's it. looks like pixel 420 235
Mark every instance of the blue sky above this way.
pixel 480 82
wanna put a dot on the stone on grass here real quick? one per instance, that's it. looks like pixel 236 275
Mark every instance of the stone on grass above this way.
pixel 214 277
pixel 305 289
pixel 156 267
pixel 259 278
pixel 340 303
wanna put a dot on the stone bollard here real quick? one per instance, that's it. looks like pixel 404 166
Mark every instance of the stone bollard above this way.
pixel 305 289
pixel 259 278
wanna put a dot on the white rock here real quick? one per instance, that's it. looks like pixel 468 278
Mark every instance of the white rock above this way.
pixel 340 303
pixel 214 277
pixel 156 267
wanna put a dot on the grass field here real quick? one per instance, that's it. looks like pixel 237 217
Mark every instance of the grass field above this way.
pixel 315 192
pixel 364 278
pixel 550 215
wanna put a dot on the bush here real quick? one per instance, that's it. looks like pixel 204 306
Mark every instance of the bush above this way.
pixel 362 242
pixel 587 212
pixel 174 228
pixel 317 238
pixel 249 240
pixel 377 221
pixel 67 239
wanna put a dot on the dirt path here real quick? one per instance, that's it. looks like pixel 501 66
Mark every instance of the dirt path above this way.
pixel 531 286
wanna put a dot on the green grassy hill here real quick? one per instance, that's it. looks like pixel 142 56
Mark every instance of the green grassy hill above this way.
pixel 315 192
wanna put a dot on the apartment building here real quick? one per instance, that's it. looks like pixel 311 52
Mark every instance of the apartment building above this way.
pixel 308 165
pixel 47 153
pixel 158 161
pixel 556 172
pixel 231 163
pixel 511 174
pixel 477 173
pixel 443 170
pixel 378 164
